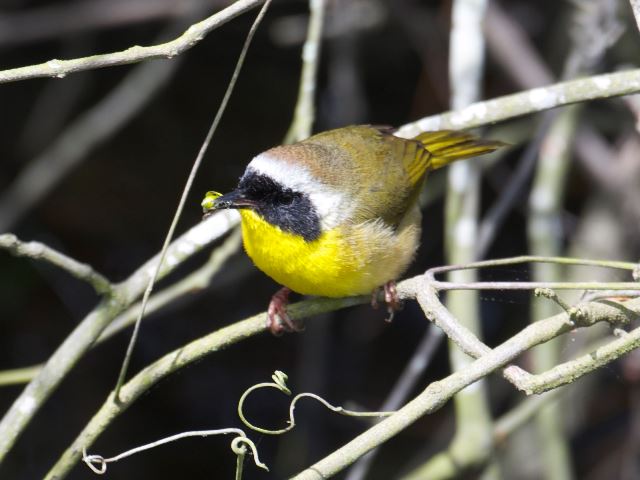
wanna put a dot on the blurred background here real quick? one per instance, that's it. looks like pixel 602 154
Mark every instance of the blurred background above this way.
pixel 93 165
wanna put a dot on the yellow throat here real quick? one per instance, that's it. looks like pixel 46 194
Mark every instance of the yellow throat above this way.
pixel 326 266
pixel 351 259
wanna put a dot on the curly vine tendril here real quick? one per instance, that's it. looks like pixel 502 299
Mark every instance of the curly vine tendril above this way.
pixel 279 382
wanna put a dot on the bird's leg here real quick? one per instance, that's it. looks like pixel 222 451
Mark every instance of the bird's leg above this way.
pixel 278 320
pixel 390 298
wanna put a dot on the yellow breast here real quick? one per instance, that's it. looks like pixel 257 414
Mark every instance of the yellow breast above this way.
pixel 341 262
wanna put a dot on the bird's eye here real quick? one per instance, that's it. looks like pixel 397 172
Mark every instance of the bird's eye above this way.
pixel 286 198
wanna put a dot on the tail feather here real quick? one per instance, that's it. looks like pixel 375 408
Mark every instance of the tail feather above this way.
pixel 447 146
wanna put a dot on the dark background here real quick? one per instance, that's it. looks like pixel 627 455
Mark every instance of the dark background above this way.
pixel 112 210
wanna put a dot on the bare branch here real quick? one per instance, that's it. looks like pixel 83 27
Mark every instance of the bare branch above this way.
pixel 192 283
pixel 17 376
pixel 613 312
pixel 529 101
pixel 56 68
pixel 437 393
pixel 40 251
pixel 187 188
pixel 568 372
pixel 84 335
pixel 176 360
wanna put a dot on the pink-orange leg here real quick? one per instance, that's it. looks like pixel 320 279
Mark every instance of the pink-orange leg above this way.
pixel 278 320
pixel 390 298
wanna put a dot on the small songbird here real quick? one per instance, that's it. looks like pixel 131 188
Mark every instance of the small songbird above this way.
pixel 336 214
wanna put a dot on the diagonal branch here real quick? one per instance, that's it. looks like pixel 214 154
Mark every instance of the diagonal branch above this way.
pixel 434 397
pixel 529 101
pixel 590 313
pixel 85 334
pixel 196 281
pixel 178 359
pixel 40 251
pixel 192 36
pixel 437 394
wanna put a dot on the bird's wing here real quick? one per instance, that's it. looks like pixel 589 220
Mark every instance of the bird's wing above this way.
pixel 382 173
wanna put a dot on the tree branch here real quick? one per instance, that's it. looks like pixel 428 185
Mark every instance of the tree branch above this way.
pixel 472 413
pixel 40 251
pixel 529 101
pixel 191 284
pixel 437 393
pixel 570 371
pixel 192 36
pixel 615 313
pixel 176 360
pixel 84 335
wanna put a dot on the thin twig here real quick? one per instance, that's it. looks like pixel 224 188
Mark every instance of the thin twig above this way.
pixel 441 285
pixel 501 262
pixel 192 283
pixel 444 286
pixel 178 359
pixel 17 376
pixel 186 190
pixel 85 334
pixel 437 393
pixel 427 296
pixel 98 464
pixel 192 36
pixel 227 336
pixel 40 251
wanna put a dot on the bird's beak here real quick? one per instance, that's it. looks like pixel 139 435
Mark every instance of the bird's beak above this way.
pixel 216 201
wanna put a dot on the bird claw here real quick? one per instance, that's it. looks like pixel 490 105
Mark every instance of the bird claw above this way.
pixel 391 298
pixel 278 320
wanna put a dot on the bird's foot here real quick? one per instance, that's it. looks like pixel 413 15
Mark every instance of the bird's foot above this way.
pixel 278 320
pixel 391 298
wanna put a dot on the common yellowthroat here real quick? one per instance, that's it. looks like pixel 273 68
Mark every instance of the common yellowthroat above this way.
pixel 336 214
